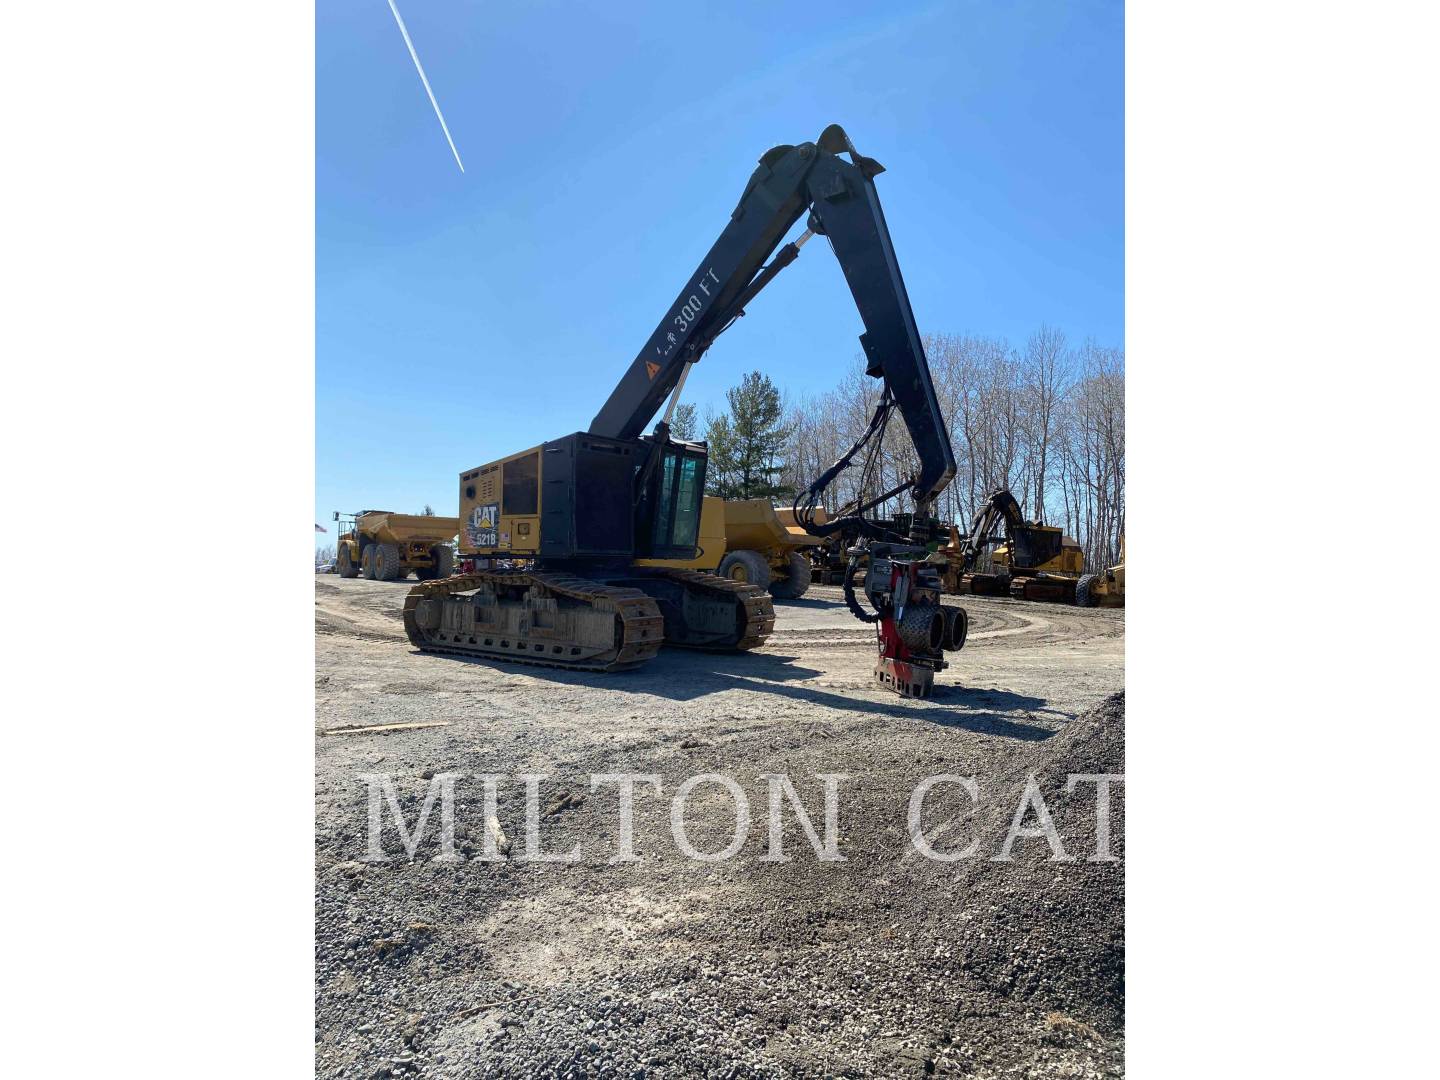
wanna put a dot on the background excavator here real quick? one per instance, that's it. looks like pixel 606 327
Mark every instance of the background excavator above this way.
pixel 1031 562
pixel 578 531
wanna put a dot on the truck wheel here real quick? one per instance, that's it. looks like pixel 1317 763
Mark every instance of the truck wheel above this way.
pixel 386 561
pixel 793 585
pixel 444 560
pixel 367 563
pixel 343 565
pixel 1083 595
pixel 746 567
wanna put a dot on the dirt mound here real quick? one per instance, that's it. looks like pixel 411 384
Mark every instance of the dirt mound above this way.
pixel 1055 933
pixel 1093 742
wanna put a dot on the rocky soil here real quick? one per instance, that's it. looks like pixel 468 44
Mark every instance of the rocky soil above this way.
pixel 887 963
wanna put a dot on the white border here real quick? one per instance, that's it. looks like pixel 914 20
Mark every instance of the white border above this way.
pixel 158 437
pixel 1281 225
pixel 158 341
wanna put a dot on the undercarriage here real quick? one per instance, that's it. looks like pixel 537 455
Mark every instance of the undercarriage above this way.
pixel 563 620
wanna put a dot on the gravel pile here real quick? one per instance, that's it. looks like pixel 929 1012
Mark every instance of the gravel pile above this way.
pixel 887 964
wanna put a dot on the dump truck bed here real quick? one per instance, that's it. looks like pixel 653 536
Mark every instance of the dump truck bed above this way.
pixel 408 528
pixel 755 525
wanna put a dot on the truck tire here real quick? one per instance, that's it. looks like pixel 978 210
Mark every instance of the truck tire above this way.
pixel 444 560
pixel 367 563
pixel 746 567
pixel 343 565
pixel 793 585
pixel 386 561
pixel 1084 597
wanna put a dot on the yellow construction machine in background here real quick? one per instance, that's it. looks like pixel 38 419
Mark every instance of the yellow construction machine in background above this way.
pixel 1108 589
pixel 387 547
pixel 764 546
pixel 1033 562
pixel 753 543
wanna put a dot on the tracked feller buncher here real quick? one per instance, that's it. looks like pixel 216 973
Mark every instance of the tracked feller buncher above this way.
pixel 574 539
pixel 1031 562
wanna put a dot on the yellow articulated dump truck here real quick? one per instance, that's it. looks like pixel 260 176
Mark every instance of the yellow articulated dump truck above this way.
pixel 764 546
pixel 387 547
pixel 750 542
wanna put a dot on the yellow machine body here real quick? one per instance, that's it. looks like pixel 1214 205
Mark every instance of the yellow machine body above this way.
pixel 500 507
pixel 786 515
pixel 407 528
pixel 1109 588
pixel 1071 559
pixel 1060 578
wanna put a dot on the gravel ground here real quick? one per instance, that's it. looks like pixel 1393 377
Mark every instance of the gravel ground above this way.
pixel 885 964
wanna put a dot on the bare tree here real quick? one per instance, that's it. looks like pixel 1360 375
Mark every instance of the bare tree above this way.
pixel 1045 372
pixel 1093 467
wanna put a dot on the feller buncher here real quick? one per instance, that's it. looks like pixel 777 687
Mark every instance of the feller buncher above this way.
pixel 1032 562
pixel 578 534
pixel 388 547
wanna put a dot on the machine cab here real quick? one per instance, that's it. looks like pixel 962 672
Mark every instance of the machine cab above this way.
pixel 668 517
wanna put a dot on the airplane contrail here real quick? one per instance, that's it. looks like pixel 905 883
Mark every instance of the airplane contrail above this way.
pixel 415 56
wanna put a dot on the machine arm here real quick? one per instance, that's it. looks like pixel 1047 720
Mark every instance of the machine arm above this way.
pixel 998 506
pixel 843 206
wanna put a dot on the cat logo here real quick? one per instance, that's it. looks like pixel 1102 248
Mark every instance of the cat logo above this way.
pixel 653 369
pixel 481 526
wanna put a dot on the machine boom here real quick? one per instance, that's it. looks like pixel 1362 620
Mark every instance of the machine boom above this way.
pixel 843 205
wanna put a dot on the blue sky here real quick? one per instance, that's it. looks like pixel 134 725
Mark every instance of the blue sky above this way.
pixel 461 317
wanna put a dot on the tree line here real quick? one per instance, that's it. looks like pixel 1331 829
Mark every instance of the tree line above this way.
pixel 1045 419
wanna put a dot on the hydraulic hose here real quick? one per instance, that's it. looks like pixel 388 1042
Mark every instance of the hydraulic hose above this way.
pixel 851 601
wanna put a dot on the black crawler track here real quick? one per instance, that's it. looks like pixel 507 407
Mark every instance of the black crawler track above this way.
pixel 639 627
pixel 757 609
